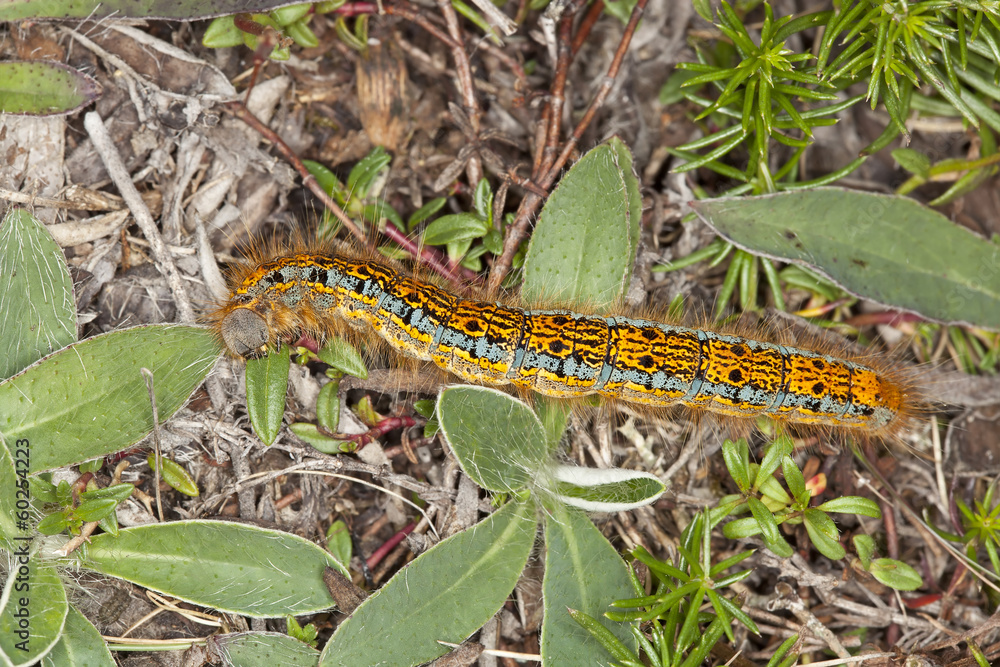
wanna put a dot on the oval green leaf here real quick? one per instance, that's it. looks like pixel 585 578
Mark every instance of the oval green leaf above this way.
pixel 446 594
pixel 853 505
pixel 344 357
pixel 39 312
pixel 32 609
pixel 498 440
pixel 174 475
pixel 456 227
pixel 582 572
pixel 90 399
pixel 44 88
pixel 888 249
pixel 267 384
pixel 823 534
pixel 585 241
pixel 79 644
pixel 231 567
pixel 264 649
pixel 896 574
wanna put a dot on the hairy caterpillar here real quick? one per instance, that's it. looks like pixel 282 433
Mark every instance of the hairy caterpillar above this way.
pixel 559 353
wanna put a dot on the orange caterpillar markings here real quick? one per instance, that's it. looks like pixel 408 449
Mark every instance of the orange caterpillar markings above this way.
pixel 554 352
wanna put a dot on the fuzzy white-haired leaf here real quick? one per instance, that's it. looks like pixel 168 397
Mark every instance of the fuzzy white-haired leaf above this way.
pixel 605 489
pixel 497 439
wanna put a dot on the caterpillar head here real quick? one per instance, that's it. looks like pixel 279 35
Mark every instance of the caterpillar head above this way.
pixel 245 333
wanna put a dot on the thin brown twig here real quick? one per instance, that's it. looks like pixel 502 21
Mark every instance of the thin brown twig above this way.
pixel 517 231
pixel 586 25
pixel 602 94
pixel 410 13
pixel 463 72
pixel 239 110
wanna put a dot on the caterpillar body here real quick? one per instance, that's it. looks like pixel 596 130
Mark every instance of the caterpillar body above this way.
pixel 559 353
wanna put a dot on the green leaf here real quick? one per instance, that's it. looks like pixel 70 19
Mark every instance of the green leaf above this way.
pixel 95 510
pixel 39 311
pixel 367 171
pixel 583 572
pixel 265 649
pixel 852 505
pixel 584 244
pixel 325 178
pixel 865 546
pixel 795 481
pixel 232 567
pixel 895 574
pixel 338 541
pixel 912 161
pixel 823 534
pixel 18 488
pixel 328 406
pixel 89 399
pixel 44 88
pixel 79 644
pixel 344 357
pixel 174 475
pixel 317 440
pixel 778 449
pixel 769 528
pixel 455 227
pixel 887 249
pixel 497 439
pixel 445 594
pixel 267 384
pixel 739 528
pixel 426 211
pixel 605 489
pixel 285 16
pixel 30 621
pixel 604 637
pixel 223 33
pixel 554 414
pixel 736 455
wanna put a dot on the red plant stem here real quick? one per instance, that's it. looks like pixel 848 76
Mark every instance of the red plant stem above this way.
pixel 389 545
pixel 456 275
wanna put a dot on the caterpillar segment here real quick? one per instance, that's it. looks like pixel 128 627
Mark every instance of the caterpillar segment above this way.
pixel 554 352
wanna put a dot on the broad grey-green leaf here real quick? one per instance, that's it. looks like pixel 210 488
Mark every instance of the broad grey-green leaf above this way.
pixel 32 609
pixel 231 567
pixel 90 399
pixel 267 385
pixel 896 574
pixel 37 312
pixel 264 649
pixel 605 489
pixel 12 491
pixel 583 572
pixel 44 88
pixel 585 241
pixel 447 593
pixel 888 249
pixel 497 439
pixel 184 10
pixel 343 357
pixel 79 644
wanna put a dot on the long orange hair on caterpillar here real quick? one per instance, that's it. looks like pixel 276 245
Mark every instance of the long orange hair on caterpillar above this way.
pixel 283 293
